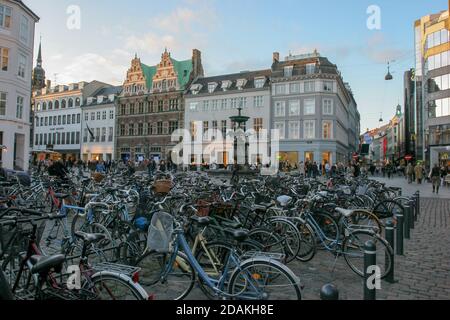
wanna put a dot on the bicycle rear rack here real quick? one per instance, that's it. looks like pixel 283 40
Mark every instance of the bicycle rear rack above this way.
pixel 118 268
pixel 258 254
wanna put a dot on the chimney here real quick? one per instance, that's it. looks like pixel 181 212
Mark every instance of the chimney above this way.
pixel 276 57
pixel 197 64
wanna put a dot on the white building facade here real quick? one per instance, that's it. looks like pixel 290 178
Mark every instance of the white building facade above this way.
pixel 17 23
pixel 210 102
pixel 99 118
pixel 57 118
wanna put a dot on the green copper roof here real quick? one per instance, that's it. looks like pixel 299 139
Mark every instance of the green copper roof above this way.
pixel 183 70
pixel 149 73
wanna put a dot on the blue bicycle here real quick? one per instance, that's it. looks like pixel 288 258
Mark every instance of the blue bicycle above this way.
pixel 170 268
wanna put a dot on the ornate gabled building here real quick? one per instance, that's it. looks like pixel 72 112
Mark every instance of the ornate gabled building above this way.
pixel 151 106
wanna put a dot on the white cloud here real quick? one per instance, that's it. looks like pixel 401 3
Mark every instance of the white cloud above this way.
pixel 379 50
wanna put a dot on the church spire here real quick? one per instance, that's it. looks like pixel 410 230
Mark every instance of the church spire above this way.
pixel 38 77
pixel 39 58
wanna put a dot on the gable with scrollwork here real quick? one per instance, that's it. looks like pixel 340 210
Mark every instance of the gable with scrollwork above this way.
pixel 135 82
pixel 165 78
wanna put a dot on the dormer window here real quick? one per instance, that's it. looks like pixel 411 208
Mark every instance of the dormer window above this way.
pixel 226 85
pixel 212 87
pixel 310 68
pixel 240 83
pixel 260 82
pixel 288 71
pixel 195 88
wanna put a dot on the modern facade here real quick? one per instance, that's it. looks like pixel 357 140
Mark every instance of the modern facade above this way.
pixel 313 109
pixel 410 96
pixel 98 125
pixel 211 101
pixel 17 23
pixel 433 70
pixel 57 117
pixel 151 106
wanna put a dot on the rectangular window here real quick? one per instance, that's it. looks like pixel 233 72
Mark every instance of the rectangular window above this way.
pixel 258 101
pixel 24 29
pixel 205 130
pixel 259 83
pixel 327 107
pixel 243 102
pixel 310 86
pixel 173 104
pixel 140 129
pixel 234 103
pixel 193 106
pixel 309 107
pixel 68 119
pixel 160 106
pixel 59 120
pixel 36 139
pixel 111 114
pixel 3 104
pixel 122 130
pixel 224 128
pixel 4 59
pixel 141 108
pixel 310 68
pixel 85 135
pixel 46 121
pixel 327 128
pixel 294 130
pixel 103 134
pixel 86 116
pixel 224 104
pixel 92 116
pixel 173 125
pixel 280 127
pixel 294 108
pixel 215 104
pixel 19 107
pixel 280 109
pixel 77 139
pixel 72 138
pixel 104 115
pixel 110 134
pixel 22 66
pixel 122 109
pixel 131 129
pixel 309 129
pixel 205 105
pixel 5 16
pixel 328 86
pixel 78 118
pixel 160 128
pixel 280 89
pixel 288 71
pixel 294 88
pixel 97 134
pixel 98 115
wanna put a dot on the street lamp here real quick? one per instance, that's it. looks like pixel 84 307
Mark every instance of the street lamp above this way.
pixel 388 75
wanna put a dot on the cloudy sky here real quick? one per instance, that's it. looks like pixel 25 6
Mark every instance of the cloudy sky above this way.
pixel 234 35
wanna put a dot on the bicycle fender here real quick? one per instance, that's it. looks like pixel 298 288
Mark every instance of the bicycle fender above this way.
pixel 126 278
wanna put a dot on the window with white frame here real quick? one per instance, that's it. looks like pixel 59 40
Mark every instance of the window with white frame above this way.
pixel 215 104
pixel 212 87
pixel 234 103
pixel 309 129
pixel 243 102
pixel 327 107
pixel 280 109
pixel 294 129
pixel 327 130
pixel 19 107
pixel 3 97
pixel 310 86
pixel 259 82
pixel 5 16
pixel 310 68
pixel 288 71
pixel 280 127
pixel 206 105
pixel 104 115
pixel 224 104
pixel 86 116
pixel 328 86
pixel 280 89
pixel 294 108
pixel 24 30
pixel 111 114
pixel 258 101
pixel 22 66
pixel 294 87
pixel 4 59
pixel 309 107
pixel 193 106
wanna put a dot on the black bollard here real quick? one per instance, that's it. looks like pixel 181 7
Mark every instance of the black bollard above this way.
pixel 390 238
pixel 329 292
pixel 399 240
pixel 407 222
pixel 370 260
pixel 412 219
pixel 418 204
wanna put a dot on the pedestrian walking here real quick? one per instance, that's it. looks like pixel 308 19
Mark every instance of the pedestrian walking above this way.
pixel 418 170
pixel 435 176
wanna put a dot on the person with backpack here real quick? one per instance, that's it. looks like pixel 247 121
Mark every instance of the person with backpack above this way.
pixel 435 176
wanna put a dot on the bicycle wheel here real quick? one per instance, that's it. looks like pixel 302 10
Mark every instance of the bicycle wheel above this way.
pixel 114 287
pixel 362 219
pixel 289 234
pixel 353 251
pixel 329 227
pixel 173 282
pixel 269 240
pixel 260 279
pixel 308 241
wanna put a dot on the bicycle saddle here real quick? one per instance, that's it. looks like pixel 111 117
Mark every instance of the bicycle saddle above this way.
pixel 238 235
pixel 42 264
pixel 284 201
pixel 201 221
pixel 344 212
pixel 89 238
pixel 61 195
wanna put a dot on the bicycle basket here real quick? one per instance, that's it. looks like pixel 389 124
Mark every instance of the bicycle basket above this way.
pixel 160 232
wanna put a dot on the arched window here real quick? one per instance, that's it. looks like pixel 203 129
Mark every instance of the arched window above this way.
pixel 70 103
pixel 77 102
pixel 56 104
pixel 63 104
pixel 50 105
pixel 39 106
pixel 44 106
